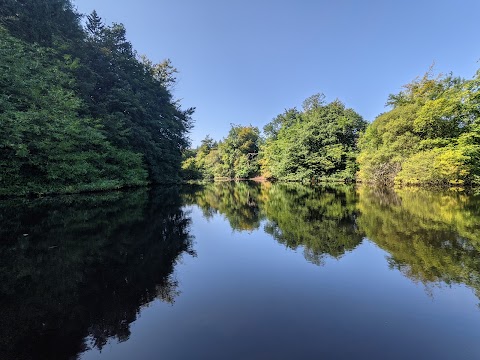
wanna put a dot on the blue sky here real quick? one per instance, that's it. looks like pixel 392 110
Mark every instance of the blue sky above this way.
pixel 244 62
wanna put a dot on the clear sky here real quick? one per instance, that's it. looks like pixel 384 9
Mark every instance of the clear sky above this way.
pixel 244 62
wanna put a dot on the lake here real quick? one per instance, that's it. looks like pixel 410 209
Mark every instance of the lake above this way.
pixel 241 271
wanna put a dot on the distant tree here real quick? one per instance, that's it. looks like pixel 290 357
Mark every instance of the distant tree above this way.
pixel 320 142
pixel 314 102
pixel 239 152
pixel 95 26
pixel 164 72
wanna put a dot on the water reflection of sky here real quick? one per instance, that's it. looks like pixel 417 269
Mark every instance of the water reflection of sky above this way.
pixel 245 296
pixel 241 271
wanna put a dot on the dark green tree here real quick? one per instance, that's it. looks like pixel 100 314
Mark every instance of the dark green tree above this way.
pixel 85 93
pixel 45 145
pixel 136 108
pixel 95 26
pixel 46 22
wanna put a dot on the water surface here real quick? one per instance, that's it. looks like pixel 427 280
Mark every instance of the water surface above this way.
pixel 241 271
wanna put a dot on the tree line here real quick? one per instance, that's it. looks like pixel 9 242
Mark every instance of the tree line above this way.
pixel 429 136
pixel 79 108
pixel 319 142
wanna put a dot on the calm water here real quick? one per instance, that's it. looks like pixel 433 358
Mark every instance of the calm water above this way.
pixel 241 271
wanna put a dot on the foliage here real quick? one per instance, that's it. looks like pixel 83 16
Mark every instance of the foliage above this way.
pixel 190 170
pixel 234 157
pixel 132 99
pixel 238 152
pixel 79 109
pixel 46 22
pixel 430 137
pixel 45 145
pixel 319 142
pixel 446 165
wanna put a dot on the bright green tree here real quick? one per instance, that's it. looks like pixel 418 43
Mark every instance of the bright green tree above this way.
pixel 429 137
pixel 239 152
pixel 320 142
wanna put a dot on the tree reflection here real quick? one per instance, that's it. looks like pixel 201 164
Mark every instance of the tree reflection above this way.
pixel 82 266
pixel 75 271
pixel 321 220
pixel 237 201
pixel 432 237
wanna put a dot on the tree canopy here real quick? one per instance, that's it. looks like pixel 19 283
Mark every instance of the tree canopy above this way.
pixel 79 109
pixel 320 142
pixel 429 137
pixel 234 157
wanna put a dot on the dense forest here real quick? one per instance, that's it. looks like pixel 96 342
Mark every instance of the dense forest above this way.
pixel 430 136
pixel 319 142
pixel 79 108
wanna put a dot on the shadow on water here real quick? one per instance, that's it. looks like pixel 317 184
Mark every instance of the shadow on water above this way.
pixel 81 267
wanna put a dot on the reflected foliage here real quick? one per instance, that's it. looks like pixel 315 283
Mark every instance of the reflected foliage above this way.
pixel 322 220
pixel 81 267
pixel 238 202
pixel 76 270
pixel 431 237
